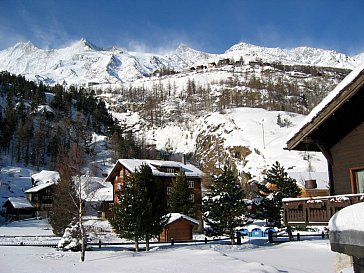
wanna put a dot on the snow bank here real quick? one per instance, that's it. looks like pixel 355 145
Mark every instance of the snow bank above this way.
pixel 349 218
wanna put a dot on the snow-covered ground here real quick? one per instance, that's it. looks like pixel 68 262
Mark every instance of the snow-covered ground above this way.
pixel 254 255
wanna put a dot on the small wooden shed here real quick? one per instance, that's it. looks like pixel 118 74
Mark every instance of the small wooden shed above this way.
pixel 18 208
pixel 179 227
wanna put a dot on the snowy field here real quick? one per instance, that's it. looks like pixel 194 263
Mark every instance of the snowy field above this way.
pixel 252 256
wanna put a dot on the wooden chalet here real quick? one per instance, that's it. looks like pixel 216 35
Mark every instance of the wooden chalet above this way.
pixel 225 61
pixel 42 198
pixel 41 194
pixel 18 208
pixel 336 128
pixel 178 228
pixel 164 173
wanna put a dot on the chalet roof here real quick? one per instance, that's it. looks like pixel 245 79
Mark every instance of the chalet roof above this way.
pixel 19 202
pixel 102 194
pixel 336 115
pixel 178 216
pixel 40 187
pixel 45 176
pixel 155 165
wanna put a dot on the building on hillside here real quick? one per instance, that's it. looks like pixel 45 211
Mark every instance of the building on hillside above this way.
pixel 211 65
pixel 225 61
pixel 178 228
pixel 18 208
pixel 164 173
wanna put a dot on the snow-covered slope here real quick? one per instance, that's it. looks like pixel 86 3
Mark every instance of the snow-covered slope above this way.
pixel 247 138
pixel 83 63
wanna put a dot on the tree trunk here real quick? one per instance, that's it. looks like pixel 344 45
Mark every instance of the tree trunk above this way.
pixel 83 245
pixel 147 243
pixel 136 245
pixel 289 232
pixel 232 237
pixel 80 214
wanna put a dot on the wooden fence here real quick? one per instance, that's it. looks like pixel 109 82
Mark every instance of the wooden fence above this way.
pixel 315 210
pixel 99 243
pixel 275 238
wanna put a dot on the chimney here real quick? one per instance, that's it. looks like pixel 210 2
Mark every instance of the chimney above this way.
pixel 184 159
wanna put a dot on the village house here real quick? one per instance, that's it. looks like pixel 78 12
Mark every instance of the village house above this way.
pixel 223 62
pixel 164 173
pixel 42 197
pixel 211 65
pixel 336 128
pixel 41 194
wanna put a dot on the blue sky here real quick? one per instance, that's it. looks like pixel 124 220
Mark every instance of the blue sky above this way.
pixel 211 25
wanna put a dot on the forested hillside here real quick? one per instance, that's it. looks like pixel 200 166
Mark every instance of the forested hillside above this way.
pixel 38 121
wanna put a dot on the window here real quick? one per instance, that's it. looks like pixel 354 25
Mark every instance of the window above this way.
pixel 169 190
pixel 170 170
pixel 357 177
pixel 192 197
pixel 191 184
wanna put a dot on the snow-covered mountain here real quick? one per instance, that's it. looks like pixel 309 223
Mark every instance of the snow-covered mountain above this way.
pixel 83 63
pixel 199 111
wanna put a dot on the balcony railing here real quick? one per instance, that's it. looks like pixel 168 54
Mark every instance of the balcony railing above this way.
pixel 316 210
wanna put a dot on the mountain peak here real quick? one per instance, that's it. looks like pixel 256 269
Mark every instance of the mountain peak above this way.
pixel 25 45
pixel 183 48
pixel 87 44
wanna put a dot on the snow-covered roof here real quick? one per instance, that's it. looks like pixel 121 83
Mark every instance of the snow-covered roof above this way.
pixel 20 202
pixel 134 164
pixel 177 216
pixel 40 187
pixel 45 177
pixel 103 194
pixel 335 93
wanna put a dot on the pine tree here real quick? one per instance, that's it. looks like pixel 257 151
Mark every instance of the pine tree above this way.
pixel 179 198
pixel 141 212
pixel 224 206
pixel 281 186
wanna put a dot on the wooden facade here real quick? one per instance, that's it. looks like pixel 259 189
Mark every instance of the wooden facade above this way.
pixel 18 208
pixel 335 128
pixel 164 173
pixel 179 229
pixel 41 197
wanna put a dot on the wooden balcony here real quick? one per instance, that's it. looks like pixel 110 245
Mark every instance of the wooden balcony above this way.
pixel 316 210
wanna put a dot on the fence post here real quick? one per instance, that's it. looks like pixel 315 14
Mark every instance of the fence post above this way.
pixel 205 240
pixel 99 243
pixel 238 238
pixel 298 237
pixel 270 236
pixel 172 242
pixel 323 235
